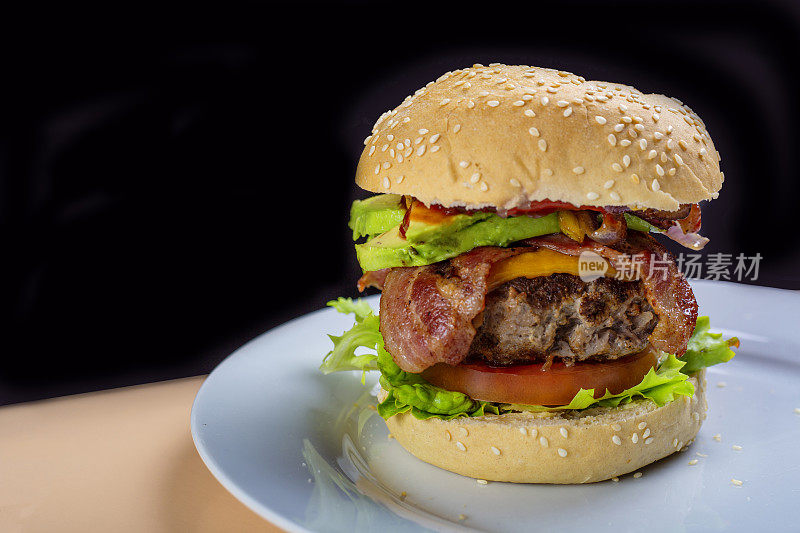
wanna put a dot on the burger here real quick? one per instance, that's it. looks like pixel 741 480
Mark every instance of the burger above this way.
pixel 532 328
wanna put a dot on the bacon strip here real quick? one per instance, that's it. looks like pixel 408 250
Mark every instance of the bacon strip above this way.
pixel 427 312
pixel 667 290
pixel 373 278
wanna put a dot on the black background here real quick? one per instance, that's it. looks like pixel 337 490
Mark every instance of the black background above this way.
pixel 176 180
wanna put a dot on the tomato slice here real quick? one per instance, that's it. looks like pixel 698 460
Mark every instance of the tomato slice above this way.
pixel 532 385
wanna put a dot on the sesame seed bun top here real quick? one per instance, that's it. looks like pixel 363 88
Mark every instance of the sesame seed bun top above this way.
pixel 504 135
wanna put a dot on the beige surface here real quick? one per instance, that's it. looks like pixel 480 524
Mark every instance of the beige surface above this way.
pixel 504 135
pixel 118 460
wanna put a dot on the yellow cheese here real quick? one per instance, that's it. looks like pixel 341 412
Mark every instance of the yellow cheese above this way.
pixel 542 262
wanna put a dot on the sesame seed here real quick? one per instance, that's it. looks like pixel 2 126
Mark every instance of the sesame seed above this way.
pixel 736 447
pixel 678 159
pixel 562 452
pixel 670 144
pixel 658 135
pixel 656 116
pixel 435 149
pixel 637 475
pixel 390 137
pixel 703 152
pixel 460 446
pixel 635 178
pixel 419 140
pixel 624 142
pixel 578 170
pixel 552 90
pixel 616 427
pixel 567 112
pixel 384 147
pixel 659 170
pixel 614 196
pixel 545 100
pixel 592 195
pixel 619 127
pixel 483 93
pixel 616 166
pixel 663 157
pixel 611 139
pixel 646 433
pixel 737 482
pixel 626 160
pixel 635 438
pixel 475 177
pixel 642 144
pixel 493 103
pixel 616 440
pixel 386 182
pixel 464 164
pixel 656 186
pixel 434 138
pixel 422 131
pixel 421 150
pixel 652 154
pixel 600 120
pixel 519 103
pixel 400 179
pixel 564 432
pixel 470 104
pixel 456 128
pixel 562 103
pixel 407 119
pixel 377 169
pixel 608 184
pixel 524 431
pixel 534 131
pixel 484 187
pixel 407 142
pixel 515 182
pixel 648 440
pixel 542 145
pixel 626 119
pixel 543 442
pixel 372 149
pixel 669 129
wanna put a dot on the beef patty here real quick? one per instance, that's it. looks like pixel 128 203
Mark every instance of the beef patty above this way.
pixel 560 316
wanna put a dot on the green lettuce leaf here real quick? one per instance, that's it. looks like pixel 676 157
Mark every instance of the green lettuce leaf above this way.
pixel 364 334
pixel 706 348
pixel 408 392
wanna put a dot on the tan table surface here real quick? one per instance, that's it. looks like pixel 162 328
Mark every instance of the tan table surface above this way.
pixel 117 460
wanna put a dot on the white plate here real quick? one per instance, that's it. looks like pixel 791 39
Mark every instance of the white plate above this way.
pixel 285 440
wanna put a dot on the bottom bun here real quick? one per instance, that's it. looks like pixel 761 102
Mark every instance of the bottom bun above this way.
pixel 556 447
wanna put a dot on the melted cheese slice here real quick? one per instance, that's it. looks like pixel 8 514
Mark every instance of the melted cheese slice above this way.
pixel 542 262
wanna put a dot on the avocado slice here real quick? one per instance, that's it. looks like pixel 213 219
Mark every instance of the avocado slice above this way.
pixel 376 215
pixel 391 250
